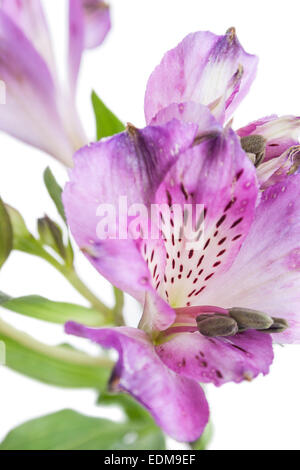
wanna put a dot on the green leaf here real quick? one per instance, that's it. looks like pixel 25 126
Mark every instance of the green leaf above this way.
pixel 6 234
pixel 55 312
pixel 69 430
pixel 107 123
pixel 54 365
pixel 203 442
pixel 55 192
pixel 129 405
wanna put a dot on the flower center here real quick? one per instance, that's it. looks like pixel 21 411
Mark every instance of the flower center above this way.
pixel 214 321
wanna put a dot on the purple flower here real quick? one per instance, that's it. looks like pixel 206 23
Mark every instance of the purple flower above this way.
pixel 217 72
pixel 37 110
pixel 210 314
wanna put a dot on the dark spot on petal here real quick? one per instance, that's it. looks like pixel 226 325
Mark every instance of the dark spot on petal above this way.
pixel 221 220
pixel 238 221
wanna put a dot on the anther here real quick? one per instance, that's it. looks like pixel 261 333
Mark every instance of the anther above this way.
pixel 248 319
pixel 216 325
pixel 255 146
pixel 279 325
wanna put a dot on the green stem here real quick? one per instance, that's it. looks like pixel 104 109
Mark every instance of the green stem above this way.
pixel 57 352
pixel 118 308
pixel 73 278
pixel 70 274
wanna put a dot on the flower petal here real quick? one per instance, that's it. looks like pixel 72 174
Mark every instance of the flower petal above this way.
pixel 277 169
pixel 89 23
pixel 265 275
pixel 31 110
pixel 217 176
pixel 218 360
pixel 281 133
pixel 177 404
pixel 129 165
pixel 204 68
pixel 188 112
pixel 29 16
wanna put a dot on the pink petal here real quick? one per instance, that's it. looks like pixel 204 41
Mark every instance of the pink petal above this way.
pixel 29 16
pixel 177 404
pixel 131 165
pixel 218 360
pixel 281 133
pixel 189 112
pixel 204 68
pixel 265 275
pixel 31 111
pixel 218 176
pixel 89 23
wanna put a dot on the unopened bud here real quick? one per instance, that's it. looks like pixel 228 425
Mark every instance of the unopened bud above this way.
pixel 217 325
pixel 248 319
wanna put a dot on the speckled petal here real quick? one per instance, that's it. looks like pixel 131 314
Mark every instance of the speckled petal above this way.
pixel 218 360
pixel 177 403
pixel 131 165
pixel 217 176
pixel 266 274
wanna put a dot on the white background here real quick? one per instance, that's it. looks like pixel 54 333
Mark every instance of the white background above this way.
pixel 264 414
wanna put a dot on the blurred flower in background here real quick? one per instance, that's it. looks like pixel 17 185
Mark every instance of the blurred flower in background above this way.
pixel 38 109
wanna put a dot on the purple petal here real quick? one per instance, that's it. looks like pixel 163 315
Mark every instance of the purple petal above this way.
pixel 218 176
pixel 30 18
pixel 265 275
pixel 132 165
pixel 218 360
pixel 189 112
pixel 31 111
pixel 277 169
pixel 89 23
pixel 281 133
pixel 204 68
pixel 177 404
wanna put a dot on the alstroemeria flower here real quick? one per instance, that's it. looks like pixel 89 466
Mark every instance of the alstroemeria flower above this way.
pixel 38 110
pixel 217 72
pixel 194 327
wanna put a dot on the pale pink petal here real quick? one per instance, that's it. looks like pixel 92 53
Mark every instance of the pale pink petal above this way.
pixel 265 275
pixel 280 133
pixel 204 68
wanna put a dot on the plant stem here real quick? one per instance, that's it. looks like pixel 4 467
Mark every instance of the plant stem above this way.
pixel 73 278
pixel 118 308
pixel 70 274
pixel 58 352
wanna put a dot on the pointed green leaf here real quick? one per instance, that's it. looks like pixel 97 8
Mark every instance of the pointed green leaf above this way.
pixel 107 123
pixel 55 192
pixel 69 430
pixel 55 312
pixel 6 234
